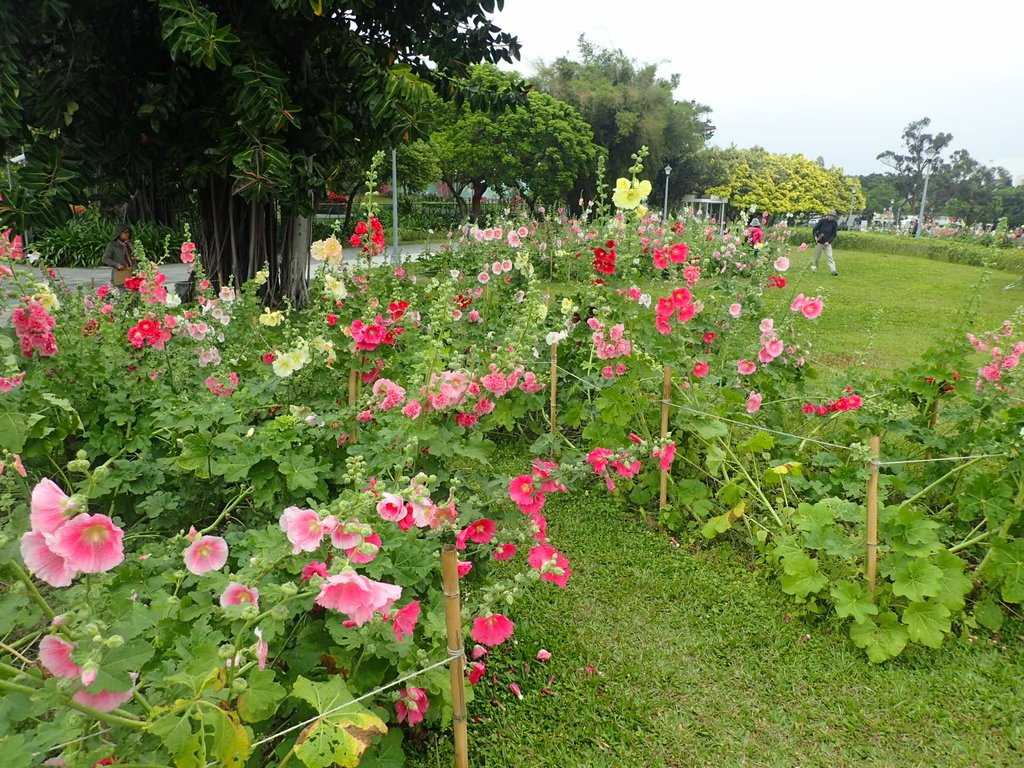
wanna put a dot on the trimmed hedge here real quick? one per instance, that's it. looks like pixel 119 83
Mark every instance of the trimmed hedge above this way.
pixel 937 249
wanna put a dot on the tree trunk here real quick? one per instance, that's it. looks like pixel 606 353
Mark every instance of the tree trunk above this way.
pixel 289 272
pixel 479 187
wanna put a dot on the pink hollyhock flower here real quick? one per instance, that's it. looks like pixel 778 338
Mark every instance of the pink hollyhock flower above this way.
pixel 678 252
pixel 303 529
pixel 262 649
pixel 464 567
pixel 700 370
pixel 543 655
pixel 208 553
pixel 665 456
pixel 798 303
pixel 90 543
pixel 391 507
pixel 309 570
pixel 43 563
pixel 405 620
pixel 523 492
pixel 239 594
pixel 774 347
pixel 551 563
pixel 465 420
pixel 736 309
pixel 803 247
pixel 516 691
pixel 365 551
pixel 492 630
pixel 482 531
pixel 746 367
pixel 345 535
pixel 55 656
pixel 412 409
pixel 411 706
pixel 479 651
pixel 781 264
pixel 50 507
pixel 357 596
pixel 812 308
pixel 504 551
pixel 539 527
pixel 476 671
pixel 104 701
pixel 753 402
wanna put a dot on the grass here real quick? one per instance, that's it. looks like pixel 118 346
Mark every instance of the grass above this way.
pixel 884 310
pixel 697 662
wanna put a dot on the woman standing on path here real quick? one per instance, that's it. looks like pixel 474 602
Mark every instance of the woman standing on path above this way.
pixel 120 256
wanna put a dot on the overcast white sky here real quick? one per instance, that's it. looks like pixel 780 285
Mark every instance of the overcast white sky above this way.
pixel 840 80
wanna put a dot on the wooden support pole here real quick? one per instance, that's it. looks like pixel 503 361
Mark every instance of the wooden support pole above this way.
pixel 666 395
pixel 554 389
pixel 872 537
pixel 456 667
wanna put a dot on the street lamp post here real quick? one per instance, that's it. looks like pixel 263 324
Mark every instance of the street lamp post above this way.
pixel 849 219
pixel 664 212
pixel 930 156
pixel 892 212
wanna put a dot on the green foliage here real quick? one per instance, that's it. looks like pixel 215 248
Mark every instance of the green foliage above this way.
pixel 82 239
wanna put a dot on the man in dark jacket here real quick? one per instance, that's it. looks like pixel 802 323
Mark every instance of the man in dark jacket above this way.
pixel 824 233
pixel 120 255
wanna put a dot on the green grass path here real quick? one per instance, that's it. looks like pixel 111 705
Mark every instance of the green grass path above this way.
pixel 699 665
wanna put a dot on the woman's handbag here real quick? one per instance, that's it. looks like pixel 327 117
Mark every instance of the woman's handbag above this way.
pixel 121 276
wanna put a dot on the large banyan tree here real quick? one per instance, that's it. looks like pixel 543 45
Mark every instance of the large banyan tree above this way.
pixel 237 113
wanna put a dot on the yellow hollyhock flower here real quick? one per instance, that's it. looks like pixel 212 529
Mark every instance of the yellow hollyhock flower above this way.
pixel 644 188
pixel 621 185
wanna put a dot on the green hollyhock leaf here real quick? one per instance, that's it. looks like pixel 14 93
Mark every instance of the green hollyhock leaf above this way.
pixel 801 576
pixel 231 741
pixel 387 753
pixel 116 665
pixel 300 471
pixel 341 737
pixel 916 579
pixel 852 601
pixel 955 585
pixel 989 614
pixel 927 623
pixel 716 525
pixel 882 638
pixel 260 699
pixel 1008 568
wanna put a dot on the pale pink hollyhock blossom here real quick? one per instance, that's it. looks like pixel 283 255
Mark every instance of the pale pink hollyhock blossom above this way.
pixel 774 347
pixel 492 630
pixel 55 656
pixel 812 308
pixel 302 526
pixel 357 596
pixel 404 621
pixel 753 402
pixel 207 553
pixel 239 594
pixel 348 534
pixel 781 264
pixel 767 325
pixel 543 655
pixel 479 651
pixel 746 367
pixel 412 704
pixel 104 701
pixel 262 649
pixel 735 309
pixel 391 507
pixel 798 303
pixel 803 247
pixel 43 563
pixel 50 507
pixel 90 543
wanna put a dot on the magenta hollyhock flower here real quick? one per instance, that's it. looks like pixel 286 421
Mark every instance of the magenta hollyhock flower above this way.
pixel 391 507
pixel 50 506
pixel 309 570
pixel 525 494
pixel 700 370
pixel 476 671
pixel 798 303
pixel 239 594
pixel 412 704
pixel 405 620
pixel 89 543
pixel 504 551
pixel 551 563
pixel 753 402
pixel 746 367
pixel 43 563
pixel 262 649
pixel 482 531
pixel 464 567
pixel 366 550
pixel 207 553
pixel 539 527
pixel 55 656
pixel 491 630
pixel 357 596
pixel 302 526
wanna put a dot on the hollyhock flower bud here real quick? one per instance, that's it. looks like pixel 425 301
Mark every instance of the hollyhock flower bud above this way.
pixel 412 705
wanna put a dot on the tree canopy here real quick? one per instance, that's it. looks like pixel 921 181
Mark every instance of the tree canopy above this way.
pixel 248 108
pixel 785 184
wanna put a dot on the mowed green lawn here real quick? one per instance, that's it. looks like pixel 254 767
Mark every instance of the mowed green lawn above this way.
pixel 883 311
pixel 697 658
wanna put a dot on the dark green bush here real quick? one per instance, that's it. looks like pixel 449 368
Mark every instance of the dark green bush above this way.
pixel 82 239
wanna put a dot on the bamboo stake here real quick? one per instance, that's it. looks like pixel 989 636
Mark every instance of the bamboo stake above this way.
pixel 554 389
pixel 876 449
pixel 453 621
pixel 666 394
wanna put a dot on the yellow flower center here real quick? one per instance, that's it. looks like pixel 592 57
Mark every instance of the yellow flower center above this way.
pixel 95 534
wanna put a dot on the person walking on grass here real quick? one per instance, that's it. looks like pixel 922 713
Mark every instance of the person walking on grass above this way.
pixel 824 233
